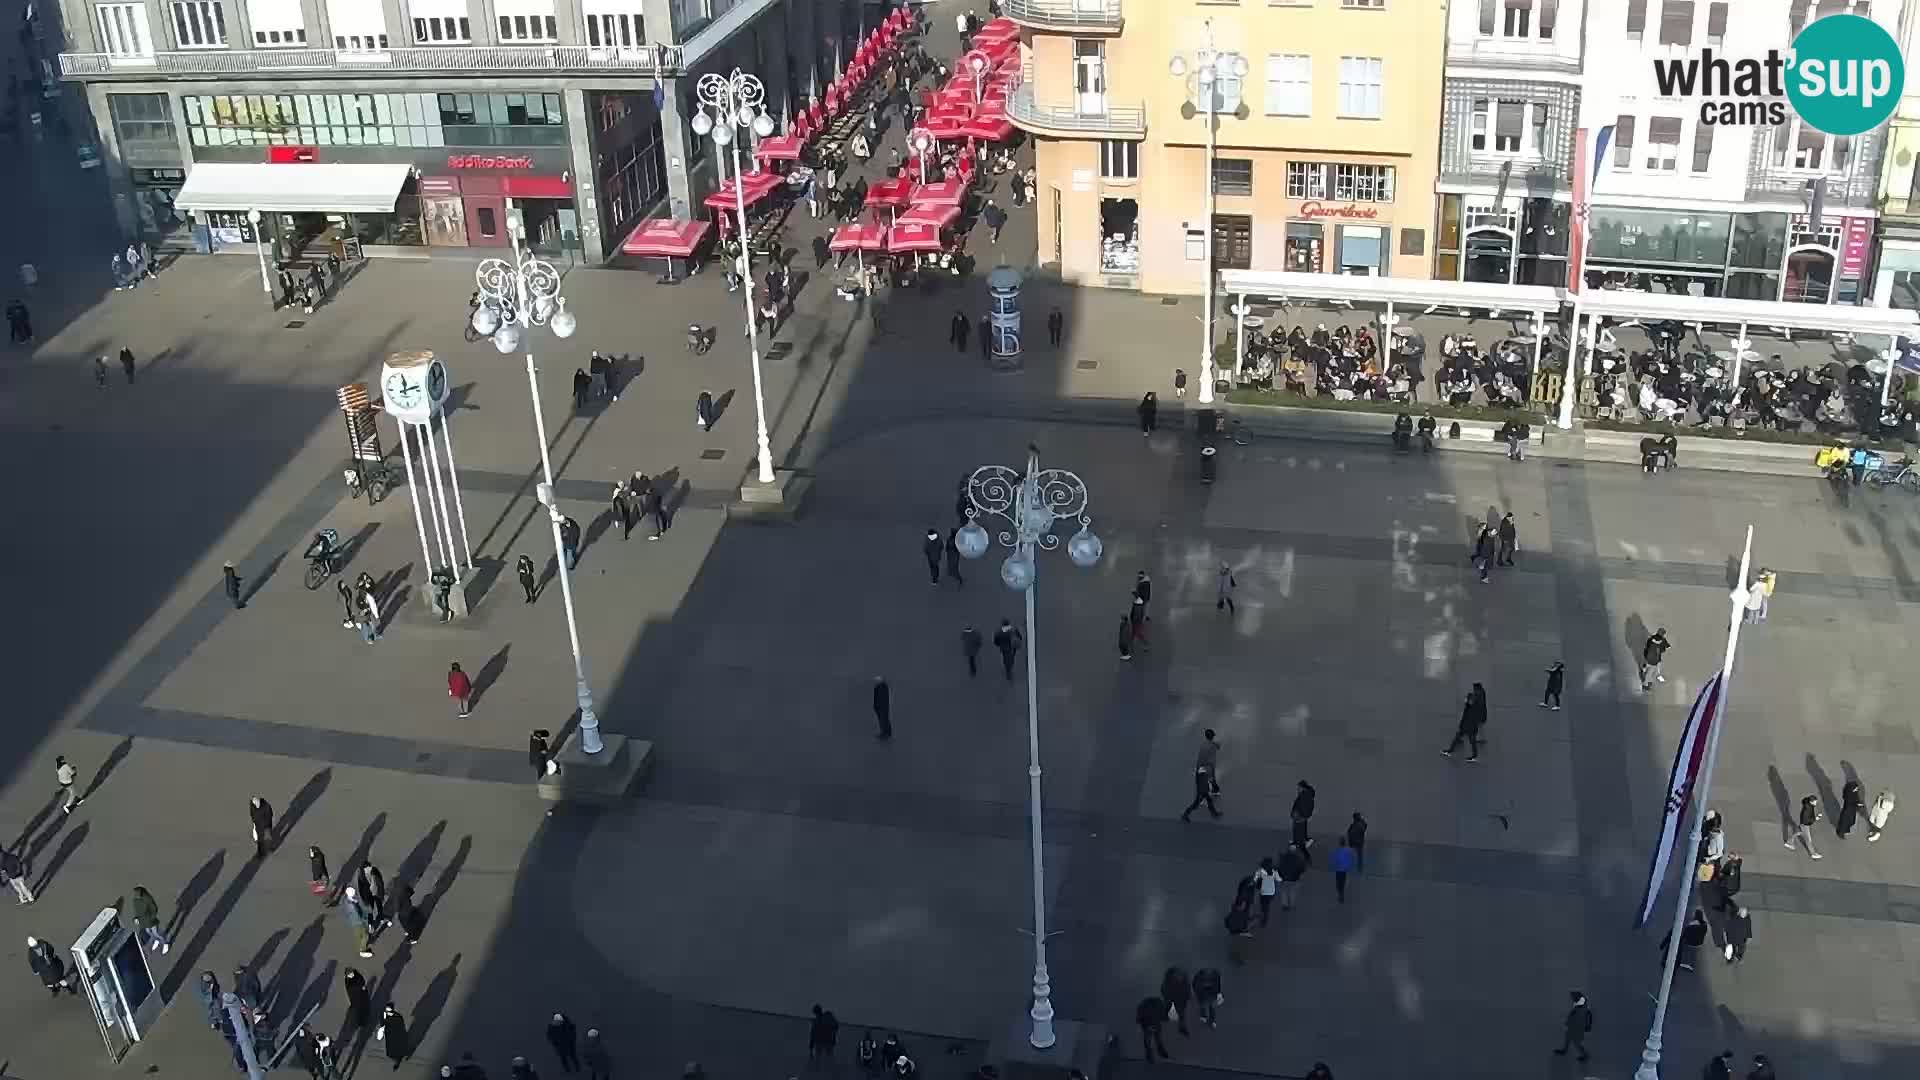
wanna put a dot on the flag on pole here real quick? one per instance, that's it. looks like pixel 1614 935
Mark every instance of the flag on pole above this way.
pixel 1688 760
pixel 1589 153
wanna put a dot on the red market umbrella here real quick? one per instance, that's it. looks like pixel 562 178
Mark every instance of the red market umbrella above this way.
pixel 937 216
pixel 942 128
pixel 951 110
pixel 895 192
pixel 753 187
pixel 779 147
pixel 865 236
pixel 908 239
pixel 666 238
pixel 991 127
pixel 949 192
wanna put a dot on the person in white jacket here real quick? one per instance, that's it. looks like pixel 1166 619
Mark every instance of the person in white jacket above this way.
pixel 1877 815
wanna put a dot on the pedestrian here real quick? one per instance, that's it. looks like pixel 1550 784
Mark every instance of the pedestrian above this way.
pixel 359 1002
pixel 622 509
pixel 565 1041
pixel 1721 1067
pixel 393 1032
pixel 1579 1021
pixel 1178 994
pixel 1342 862
pixel 1179 382
pixel 654 504
pixel 1291 866
pixel 1267 881
pixel 1223 587
pixel 1739 931
pixel 1877 815
pixel 996 220
pixel 1556 678
pixel 1762 1068
pixel 1483 552
pixel 932 549
pixel 369 621
pixel 319 882
pixel 1301 815
pixel 1320 1071
pixel 460 689
pixel 1804 822
pixel 1727 881
pixel 970 643
pixel 986 338
pixel 359 921
pixel 260 813
pixel 412 921
pixel 100 372
pixel 1473 716
pixel 373 894
pixel 230 580
pixel 883 707
pixel 145 912
pixel 1008 641
pixel 593 1051
pixel 1692 936
pixel 703 412
pixel 345 592
pixel 1137 621
pixel 247 991
pixel 65 774
pixel 1206 776
pixel 1357 840
pixel 209 990
pixel 47 964
pixel 306 1048
pixel 126 364
pixel 1755 599
pixel 582 386
pixel 13 872
pixel 822 1033
pixel 1150 1014
pixel 957 331
pixel 1239 923
pixel 1651 656
pixel 1056 326
pixel 540 754
pixel 1509 540
pixel 1766 582
pixel 570 541
pixel 1207 996
pixel 1126 638
pixel 1149 412
pixel 524 566
pixel 1142 587
pixel 1852 798
pixel 953 556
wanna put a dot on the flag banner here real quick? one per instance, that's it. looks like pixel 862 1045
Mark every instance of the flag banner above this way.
pixel 1687 763
pixel 1594 142
pixel 1600 141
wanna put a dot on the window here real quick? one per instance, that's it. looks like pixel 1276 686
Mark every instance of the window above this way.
pixel 1307 180
pixel 199 24
pixel 1716 25
pixel 1676 22
pixel 616 31
pixel 123 30
pixel 358 25
pixel 1486 17
pixel 276 24
pixel 360 42
pixel 1233 241
pixel 1478 139
pixel 1702 147
pixel 1119 159
pixel 1636 20
pixel 1663 143
pixel 1289 85
pixel 1623 143
pixel 417 120
pixel 1519 16
pixel 442 30
pixel 142 118
pixel 1509 118
pixel 1232 176
pixel 529 28
pixel 1537 139
pixel 1549 15
pixel 1347 183
pixel 1376 5
pixel 1360 78
pixel 280 39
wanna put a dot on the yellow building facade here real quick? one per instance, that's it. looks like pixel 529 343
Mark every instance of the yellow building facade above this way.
pixel 1326 148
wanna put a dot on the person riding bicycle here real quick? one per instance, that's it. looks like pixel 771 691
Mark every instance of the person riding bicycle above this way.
pixel 325 548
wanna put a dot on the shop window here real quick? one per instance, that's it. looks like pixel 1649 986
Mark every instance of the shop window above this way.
pixel 199 24
pixel 1232 176
pixel 1663 143
pixel 1361 79
pixel 1119 236
pixel 1716 25
pixel 1636 20
pixel 485 218
pixel 1304 240
pixel 1676 22
pixel 1544 227
pixel 1623 142
pixel 1702 147
pixel 142 119
pixel 1363 249
pixel 1232 241
pixel 443 30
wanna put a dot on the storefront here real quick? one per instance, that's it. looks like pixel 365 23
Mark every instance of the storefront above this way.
pixel 1755 256
pixel 1337 238
pixel 1518 242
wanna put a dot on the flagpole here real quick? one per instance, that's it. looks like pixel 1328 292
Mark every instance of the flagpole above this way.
pixel 1650 1056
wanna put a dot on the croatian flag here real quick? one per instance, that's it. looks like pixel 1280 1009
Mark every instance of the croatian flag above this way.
pixel 1687 763
pixel 1589 153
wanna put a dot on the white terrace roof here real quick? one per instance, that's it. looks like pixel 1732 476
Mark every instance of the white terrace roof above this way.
pixel 1835 318
pixel 1475 295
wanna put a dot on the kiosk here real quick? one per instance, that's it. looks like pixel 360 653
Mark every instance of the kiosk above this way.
pixel 119 984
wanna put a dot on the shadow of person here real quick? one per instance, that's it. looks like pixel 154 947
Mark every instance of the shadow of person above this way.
pixel 117 755
pixel 596 529
pixel 1636 636
pixel 196 888
pixel 69 844
pixel 720 405
pixel 357 542
pixel 421 857
pixel 1823 787
pixel 433 1001
pixel 265 575
pixel 289 983
pixel 444 882
pixel 343 877
pixel 490 673
pixel 1783 802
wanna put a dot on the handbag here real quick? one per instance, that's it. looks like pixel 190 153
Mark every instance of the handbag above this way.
pixel 1705 873
pixel 317 888
pixel 1219 999
pixel 380 1033
pixel 1173 1012
pixel 1729 950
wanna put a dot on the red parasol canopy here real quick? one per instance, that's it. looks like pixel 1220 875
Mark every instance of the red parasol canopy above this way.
pixel 780 147
pixel 894 192
pixel 665 237
pixel 993 127
pixel 753 187
pixel 866 236
pixel 906 239
pixel 942 128
pixel 937 216
pixel 950 110
pixel 949 192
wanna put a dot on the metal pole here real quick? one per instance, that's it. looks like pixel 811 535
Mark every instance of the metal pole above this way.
pixel 1539 338
pixel 1650 1056
pixel 1239 335
pixel 1891 356
pixel 260 248
pixel 1207 87
pixel 439 493
pixel 453 481
pixel 1571 386
pixel 1740 347
pixel 1042 1035
pixel 242 1036
pixel 765 445
pixel 440 543
pixel 413 489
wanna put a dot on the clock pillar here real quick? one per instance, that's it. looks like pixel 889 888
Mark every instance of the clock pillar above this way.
pixel 414 387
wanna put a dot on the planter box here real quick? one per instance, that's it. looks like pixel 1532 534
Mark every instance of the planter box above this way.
pixel 1723 455
pixel 1375 428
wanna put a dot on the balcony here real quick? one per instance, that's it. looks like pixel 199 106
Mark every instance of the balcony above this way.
pixel 665 60
pixel 1854 189
pixel 1496 52
pixel 1076 121
pixel 1066 15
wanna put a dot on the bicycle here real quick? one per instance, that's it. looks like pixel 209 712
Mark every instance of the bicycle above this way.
pixel 323 558
pixel 1905 476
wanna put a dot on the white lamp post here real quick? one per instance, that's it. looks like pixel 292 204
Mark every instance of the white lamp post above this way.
pixel 1210 69
pixel 738 99
pixel 518 295
pixel 977 63
pixel 1031 502
pixel 920 141
pixel 260 249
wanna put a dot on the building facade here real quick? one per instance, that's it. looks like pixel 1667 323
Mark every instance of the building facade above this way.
pixel 1897 272
pixel 1722 209
pixel 1325 156
pixel 1507 122
pixel 574 112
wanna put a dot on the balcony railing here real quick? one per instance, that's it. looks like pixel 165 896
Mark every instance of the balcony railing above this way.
pixel 1066 14
pixel 1524 55
pixel 456 59
pixel 1124 121
pixel 1855 189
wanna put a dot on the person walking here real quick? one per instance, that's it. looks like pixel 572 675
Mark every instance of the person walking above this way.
pixel 822 1033
pixel 1556 678
pixel 393 1033
pixel 1266 880
pixel 369 621
pixel 373 893
pixel 1137 622
pixel 1764 586
pixel 1206 776
pixel 1150 1014
pixel 524 567
pixel 593 1053
pixel 570 542
pixel 1804 822
pixel 247 990
pixel 1739 932
pixel 1483 551
pixel 1579 1021
pixel 345 592
pixel 1877 815
pixel 1652 654
pixel 411 920
pixel 1223 587
pixel 1008 640
pixel 13 873
pixel 704 413
pixel 1720 1068
pixel 958 330
pixel 1292 866
pixel 1179 382
pixel 883 707
pixel 1509 540
pixel 953 556
pixel 1473 716
pixel 1239 924
pixel 1207 996
pixel 145 912
pixel 565 1041
pixel 622 509
pixel 100 372
pixel 460 689
pixel 1342 862
pixel 306 1050
pixel 230 581
pixel 1301 814
pixel 1692 936
pixel 970 642
pixel 1149 413
pixel 1762 1068
pixel 654 505
pixel 1852 799
pixel 127 364
pixel 1177 992
pixel 359 921
pixel 260 814
pixel 65 774
pixel 319 881
pixel 540 754
pixel 359 1002
pixel 1357 840
pixel 932 549
pixel 1056 326
pixel 49 967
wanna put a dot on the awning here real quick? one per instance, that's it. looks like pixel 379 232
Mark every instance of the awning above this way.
pixel 666 237
pixel 779 147
pixel 991 127
pixel 317 188
pixel 1723 312
pixel 1473 295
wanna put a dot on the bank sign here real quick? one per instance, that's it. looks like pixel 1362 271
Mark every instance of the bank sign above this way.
pixel 1843 76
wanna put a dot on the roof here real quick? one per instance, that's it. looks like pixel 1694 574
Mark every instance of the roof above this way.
pixel 293 188
pixel 1294 285
pixel 1842 318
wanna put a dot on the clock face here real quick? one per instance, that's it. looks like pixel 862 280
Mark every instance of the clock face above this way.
pixel 405 392
pixel 436 381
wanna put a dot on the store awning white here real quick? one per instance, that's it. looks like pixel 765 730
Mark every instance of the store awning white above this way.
pixel 314 188
pixel 1473 295
pixel 1756 314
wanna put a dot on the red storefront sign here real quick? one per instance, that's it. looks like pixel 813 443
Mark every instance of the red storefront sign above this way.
pixel 1315 210
pixel 1855 243
pixel 488 161
pixel 292 155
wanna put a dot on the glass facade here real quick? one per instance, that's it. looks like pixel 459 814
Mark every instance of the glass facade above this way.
pixel 142 119
pixel 1651 238
pixel 375 119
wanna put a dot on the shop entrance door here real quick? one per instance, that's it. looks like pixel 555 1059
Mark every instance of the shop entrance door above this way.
pixel 486 221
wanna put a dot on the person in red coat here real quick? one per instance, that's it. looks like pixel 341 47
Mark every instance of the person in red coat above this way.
pixel 460 689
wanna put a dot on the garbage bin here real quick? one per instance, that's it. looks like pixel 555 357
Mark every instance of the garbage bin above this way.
pixel 1209 463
